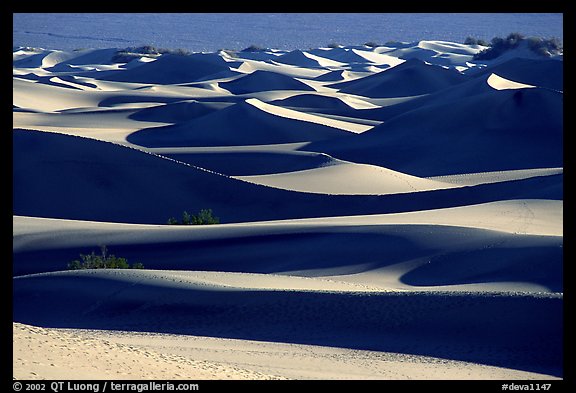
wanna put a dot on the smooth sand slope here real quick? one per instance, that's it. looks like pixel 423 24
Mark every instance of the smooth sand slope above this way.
pixel 500 130
pixel 460 326
pixel 388 212
pixel 166 356
pixel 411 78
pixel 361 243
pixel 86 179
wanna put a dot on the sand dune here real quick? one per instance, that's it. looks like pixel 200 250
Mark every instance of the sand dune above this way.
pixel 31 95
pixel 166 356
pixel 341 177
pixel 259 160
pixel 348 178
pixel 170 69
pixel 388 212
pixel 81 178
pixel 339 76
pixel 249 66
pixel 410 78
pixel 257 122
pixel 499 129
pixel 465 324
pixel 51 59
pixel 108 358
pixel 304 59
pixel 441 53
pixel 360 244
pixel 177 112
pixel 351 56
pixel 499 83
pixel 261 80
pixel 313 101
pixel 541 73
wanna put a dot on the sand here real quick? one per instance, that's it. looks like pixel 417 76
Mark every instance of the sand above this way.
pixel 387 213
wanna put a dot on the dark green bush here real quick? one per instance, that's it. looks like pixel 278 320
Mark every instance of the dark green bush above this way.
pixel 102 261
pixel 204 217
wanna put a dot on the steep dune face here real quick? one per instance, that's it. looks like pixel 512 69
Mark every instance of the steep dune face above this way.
pixel 498 130
pixel 82 178
pixel 315 102
pixel 301 58
pixel 352 56
pixel 177 112
pixel 545 73
pixel 245 123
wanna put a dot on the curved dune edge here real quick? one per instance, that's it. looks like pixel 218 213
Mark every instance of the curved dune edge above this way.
pixel 48 353
pixel 349 178
pixel 439 324
pixel 528 217
pixel 497 82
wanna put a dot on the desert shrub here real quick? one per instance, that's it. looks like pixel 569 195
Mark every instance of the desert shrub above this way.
pixel 253 48
pixel 128 54
pixel 540 46
pixel 152 50
pixel 172 221
pixel 102 261
pixel 545 47
pixel 204 217
pixel 475 41
pixel 499 45
pixel 371 44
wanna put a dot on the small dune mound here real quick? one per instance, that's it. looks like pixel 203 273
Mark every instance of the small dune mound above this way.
pixel 410 78
pixel 261 80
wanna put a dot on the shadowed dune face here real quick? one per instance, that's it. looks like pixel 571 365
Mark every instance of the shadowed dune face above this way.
pixel 318 103
pixel 449 255
pixel 177 112
pixel 403 199
pixel 171 69
pixel 92 180
pixel 261 80
pixel 498 130
pixel 464 327
pixel 410 78
pixel 238 125
pixel 541 73
pixel 253 163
